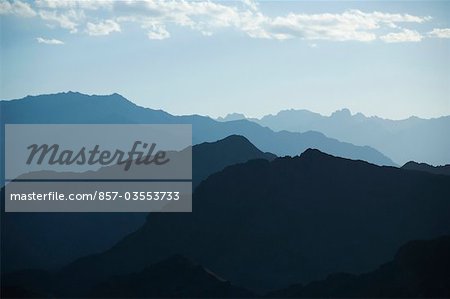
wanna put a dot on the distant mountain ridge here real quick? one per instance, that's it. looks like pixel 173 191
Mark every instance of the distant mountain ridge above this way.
pixel 71 107
pixel 416 139
pixel 411 165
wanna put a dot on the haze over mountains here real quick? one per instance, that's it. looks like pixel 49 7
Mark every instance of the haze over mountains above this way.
pixel 261 222
pixel 412 139
pixel 66 108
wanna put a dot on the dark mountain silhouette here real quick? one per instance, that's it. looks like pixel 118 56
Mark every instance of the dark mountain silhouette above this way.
pixel 419 269
pixel 175 277
pixel 29 284
pixel 415 139
pixel 49 240
pixel 72 107
pixel 210 157
pixel 265 225
pixel 445 169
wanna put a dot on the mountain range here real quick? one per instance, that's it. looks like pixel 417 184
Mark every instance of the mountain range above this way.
pixel 267 224
pixel 262 222
pixel 420 269
pixel 75 108
pixel 411 139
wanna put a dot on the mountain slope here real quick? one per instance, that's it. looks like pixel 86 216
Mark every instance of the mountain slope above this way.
pixel 266 224
pixel 175 277
pixel 79 108
pixel 416 139
pixel 419 269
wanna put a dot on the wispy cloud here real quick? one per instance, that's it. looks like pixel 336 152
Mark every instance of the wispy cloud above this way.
pixel 158 17
pixel 52 41
pixel 405 35
pixel 440 33
pixel 16 7
pixel 68 19
pixel 102 28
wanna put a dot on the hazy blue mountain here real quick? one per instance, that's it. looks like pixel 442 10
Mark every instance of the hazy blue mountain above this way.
pixel 412 139
pixel 49 240
pixel 265 225
pixel 411 165
pixel 420 269
pixel 232 116
pixel 75 108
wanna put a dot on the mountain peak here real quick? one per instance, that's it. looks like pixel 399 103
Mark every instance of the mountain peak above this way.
pixel 233 146
pixel 235 138
pixel 232 116
pixel 342 113
pixel 313 153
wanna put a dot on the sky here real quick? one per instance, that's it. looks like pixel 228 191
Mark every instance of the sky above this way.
pixel 384 58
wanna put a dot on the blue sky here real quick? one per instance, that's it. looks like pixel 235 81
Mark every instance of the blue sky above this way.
pixel 390 59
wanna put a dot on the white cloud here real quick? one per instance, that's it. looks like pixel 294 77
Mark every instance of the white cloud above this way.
pixel 405 35
pixel 52 41
pixel 252 4
pixel 74 4
pixel 351 25
pixel 68 19
pixel 155 30
pixel 207 16
pixel 16 7
pixel 158 17
pixel 440 33
pixel 102 28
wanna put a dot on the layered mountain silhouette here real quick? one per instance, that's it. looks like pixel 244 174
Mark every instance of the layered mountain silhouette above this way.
pixel 412 139
pixel 75 108
pixel 265 225
pixel 48 240
pixel 419 269
pixel 445 169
